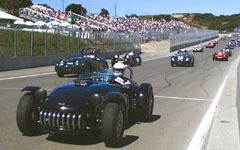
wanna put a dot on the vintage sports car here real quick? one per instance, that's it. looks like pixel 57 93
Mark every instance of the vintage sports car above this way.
pixel 223 38
pixel 228 51
pixel 182 58
pixel 210 45
pixel 198 48
pixel 92 102
pixel 230 45
pixel 131 58
pixel 88 60
pixel 220 55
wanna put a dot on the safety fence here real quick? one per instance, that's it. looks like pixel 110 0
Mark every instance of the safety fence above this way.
pixel 62 41
pixel 183 40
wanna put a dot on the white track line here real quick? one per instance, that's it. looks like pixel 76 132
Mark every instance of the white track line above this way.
pixel 183 98
pixel 201 133
pixel 27 76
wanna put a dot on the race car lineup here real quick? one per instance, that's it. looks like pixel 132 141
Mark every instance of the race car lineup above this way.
pixel 102 98
pixel 184 58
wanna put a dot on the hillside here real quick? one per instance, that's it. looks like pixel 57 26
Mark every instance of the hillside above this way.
pixel 208 21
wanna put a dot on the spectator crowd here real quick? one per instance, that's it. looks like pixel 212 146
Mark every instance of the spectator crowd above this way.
pixel 104 23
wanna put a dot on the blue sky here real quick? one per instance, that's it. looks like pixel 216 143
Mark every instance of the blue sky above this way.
pixel 151 7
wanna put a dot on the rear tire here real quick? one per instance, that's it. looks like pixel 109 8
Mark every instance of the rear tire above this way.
pixel 113 123
pixel 27 115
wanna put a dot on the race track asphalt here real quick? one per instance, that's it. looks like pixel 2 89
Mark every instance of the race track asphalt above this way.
pixel 182 97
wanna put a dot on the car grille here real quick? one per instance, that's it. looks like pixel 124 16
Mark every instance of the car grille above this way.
pixel 57 120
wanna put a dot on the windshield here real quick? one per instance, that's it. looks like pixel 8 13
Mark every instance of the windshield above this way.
pixel 104 76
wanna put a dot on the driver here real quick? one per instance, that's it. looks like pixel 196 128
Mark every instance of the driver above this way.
pixel 118 72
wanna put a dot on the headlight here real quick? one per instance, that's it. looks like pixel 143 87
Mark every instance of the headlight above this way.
pixel 127 56
pixel 187 59
pixel 173 59
pixel 76 63
pixel 116 56
pixel 61 63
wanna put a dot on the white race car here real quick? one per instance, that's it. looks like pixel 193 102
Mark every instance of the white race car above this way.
pixel 198 48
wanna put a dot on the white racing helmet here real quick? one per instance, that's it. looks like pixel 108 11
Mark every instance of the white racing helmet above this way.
pixel 119 69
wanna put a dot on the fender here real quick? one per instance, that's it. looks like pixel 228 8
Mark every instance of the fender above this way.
pixel 117 97
pixel 30 88
pixel 38 93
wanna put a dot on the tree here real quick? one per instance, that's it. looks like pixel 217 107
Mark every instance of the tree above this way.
pixel 46 5
pixel 78 9
pixel 104 12
pixel 133 15
pixel 12 6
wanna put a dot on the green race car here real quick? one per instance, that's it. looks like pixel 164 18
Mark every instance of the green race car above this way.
pixel 88 61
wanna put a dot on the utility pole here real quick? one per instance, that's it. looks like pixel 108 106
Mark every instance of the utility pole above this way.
pixel 115 9
pixel 63 5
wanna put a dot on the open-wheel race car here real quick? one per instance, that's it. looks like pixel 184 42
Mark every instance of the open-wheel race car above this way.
pixel 88 60
pixel 99 101
pixel 130 58
pixel 220 55
pixel 182 58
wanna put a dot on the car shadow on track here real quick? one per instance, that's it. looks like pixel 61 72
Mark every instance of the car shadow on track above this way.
pixel 91 138
pixel 134 120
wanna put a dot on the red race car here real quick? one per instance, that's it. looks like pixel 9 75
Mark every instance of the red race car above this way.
pixel 210 45
pixel 220 55
pixel 215 41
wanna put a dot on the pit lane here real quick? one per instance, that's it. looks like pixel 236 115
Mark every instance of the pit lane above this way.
pixel 182 97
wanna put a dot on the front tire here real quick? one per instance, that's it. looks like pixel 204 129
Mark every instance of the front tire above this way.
pixel 146 113
pixel 113 123
pixel 27 115
pixel 60 75
pixel 139 61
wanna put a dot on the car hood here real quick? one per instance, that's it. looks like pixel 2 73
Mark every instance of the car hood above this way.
pixel 76 98
pixel 184 55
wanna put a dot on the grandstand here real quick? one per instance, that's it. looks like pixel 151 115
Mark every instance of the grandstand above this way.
pixel 105 23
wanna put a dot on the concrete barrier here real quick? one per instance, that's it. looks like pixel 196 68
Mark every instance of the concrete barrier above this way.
pixel 181 46
pixel 40 61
